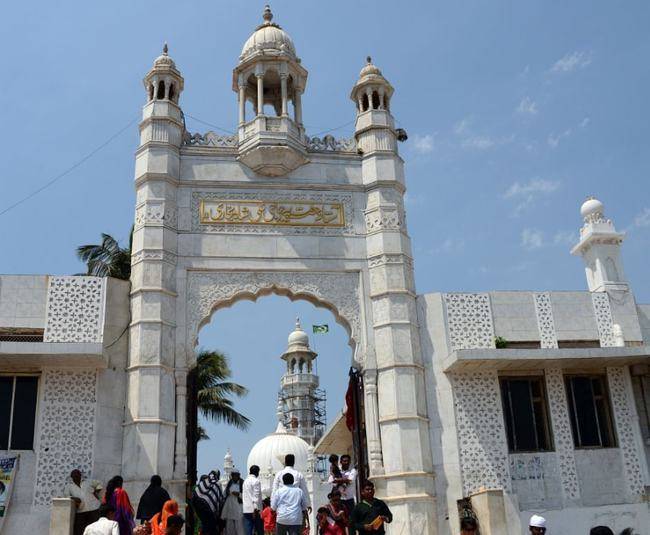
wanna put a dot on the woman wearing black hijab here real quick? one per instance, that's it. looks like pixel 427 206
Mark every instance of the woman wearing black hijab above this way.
pixel 152 500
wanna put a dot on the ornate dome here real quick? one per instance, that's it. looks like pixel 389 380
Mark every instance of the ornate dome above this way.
pixel 270 451
pixel 298 337
pixel 592 208
pixel 369 68
pixel 164 60
pixel 268 37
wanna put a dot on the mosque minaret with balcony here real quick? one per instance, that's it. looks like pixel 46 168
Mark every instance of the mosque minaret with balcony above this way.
pixel 301 399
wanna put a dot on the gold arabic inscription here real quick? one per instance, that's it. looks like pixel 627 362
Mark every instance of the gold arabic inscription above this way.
pixel 284 213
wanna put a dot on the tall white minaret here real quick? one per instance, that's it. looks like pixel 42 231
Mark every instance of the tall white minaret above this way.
pixel 600 248
pixel 299 392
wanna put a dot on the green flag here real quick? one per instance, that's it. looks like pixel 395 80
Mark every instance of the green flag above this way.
pixel 320 329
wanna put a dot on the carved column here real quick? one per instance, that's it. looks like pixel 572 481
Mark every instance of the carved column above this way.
pixel 283 89
pixel 260 93
pixel 180 462
pixel 373 437
pixel 242 104
pixel 298 105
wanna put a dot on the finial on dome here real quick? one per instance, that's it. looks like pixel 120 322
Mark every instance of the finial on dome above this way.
pixel 298 327
pixel 368 60
pixel 267 15
pixel 165 48
pixel 279 413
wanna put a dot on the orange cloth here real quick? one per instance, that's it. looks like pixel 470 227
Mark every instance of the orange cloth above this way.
pixel 268 516
pixel 159 520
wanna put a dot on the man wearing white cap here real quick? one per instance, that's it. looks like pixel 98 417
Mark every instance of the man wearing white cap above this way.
pixel 537 525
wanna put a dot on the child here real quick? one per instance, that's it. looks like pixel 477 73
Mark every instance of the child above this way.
pixel 335 472
pixel 268 517
pixel 326 524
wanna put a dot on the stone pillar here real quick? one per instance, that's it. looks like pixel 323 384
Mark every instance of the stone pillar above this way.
pixel 283 89
pixel 151 419
pixel 490 509
pixel 180 461
pixel 242 104
pixel 62 516
pixel 298 105
pixel 260 94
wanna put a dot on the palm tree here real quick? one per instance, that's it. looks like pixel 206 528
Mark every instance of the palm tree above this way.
pixel 107 259
pixel 214 391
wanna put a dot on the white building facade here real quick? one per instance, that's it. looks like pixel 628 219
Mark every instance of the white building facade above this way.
pixel 513 401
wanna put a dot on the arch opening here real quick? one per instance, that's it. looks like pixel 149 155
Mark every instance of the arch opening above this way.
pixel 257 364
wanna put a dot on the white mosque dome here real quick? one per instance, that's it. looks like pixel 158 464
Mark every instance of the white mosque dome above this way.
pixel 591 207
pixel 270 451
pixel 268 37
pixel 298 337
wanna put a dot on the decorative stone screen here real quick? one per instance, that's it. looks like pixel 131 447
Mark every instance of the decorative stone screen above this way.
pixel 481 432
pixel 65 431
pixel 469 319
pixel 75 309
pixel 545 322
pixel 627 426
pixel 604 319
pixel 562 436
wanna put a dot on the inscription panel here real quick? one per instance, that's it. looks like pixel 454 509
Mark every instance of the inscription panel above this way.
pixel 283 213
pixel 272 213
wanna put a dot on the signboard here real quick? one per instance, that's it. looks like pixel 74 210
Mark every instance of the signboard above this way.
pixel 8 467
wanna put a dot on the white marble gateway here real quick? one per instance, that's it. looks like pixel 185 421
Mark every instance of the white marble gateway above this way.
pixel 517 402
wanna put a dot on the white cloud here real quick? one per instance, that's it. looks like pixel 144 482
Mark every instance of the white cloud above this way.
pixel 585 122
pixel 470 140
pixel 478 143
pixel 525 193
pixel 461 127
pixel 531 188
pixel 423 144
pixel 572 61
pixel 527 106
pixel 642 219
pixel 451 245
pixel 565 237
pixel 532 239
pixel 553 140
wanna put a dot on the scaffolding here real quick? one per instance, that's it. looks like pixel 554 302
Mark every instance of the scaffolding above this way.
pixel 304 412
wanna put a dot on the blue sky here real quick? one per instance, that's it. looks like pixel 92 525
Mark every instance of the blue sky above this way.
pixel 516 111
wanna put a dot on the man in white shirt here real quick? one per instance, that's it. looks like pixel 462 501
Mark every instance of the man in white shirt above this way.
pixel 298 478
pixel 84 494
pixel 252 502
pixel 105 525
pixel 347 483
pixel 290 504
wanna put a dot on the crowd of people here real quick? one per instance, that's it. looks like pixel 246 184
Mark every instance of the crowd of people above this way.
pixel 240 509
pixel 113 514
pixel 237 509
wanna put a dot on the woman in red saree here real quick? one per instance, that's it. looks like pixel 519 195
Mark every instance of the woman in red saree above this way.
pixel 119 499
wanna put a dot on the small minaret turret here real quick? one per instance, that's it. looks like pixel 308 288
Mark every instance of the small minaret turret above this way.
pixel 299 388
pixel 375 127
pixel 600 248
